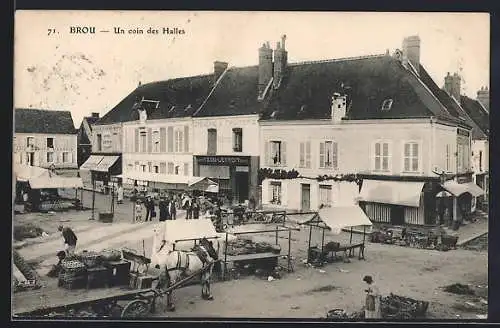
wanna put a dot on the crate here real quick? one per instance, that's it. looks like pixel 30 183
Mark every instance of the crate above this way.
pixel 97 277
pixel 78 282
pixel 118 272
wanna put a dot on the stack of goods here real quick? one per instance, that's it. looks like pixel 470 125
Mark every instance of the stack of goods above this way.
pixel 431 239
pixel 24 276
pixel 339 314
pixel 73 274
pixel 400 307
pixel 242 246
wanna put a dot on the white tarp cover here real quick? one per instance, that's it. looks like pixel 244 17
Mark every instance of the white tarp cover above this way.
pixel 458 189
pixel 56 182
pixel 337 218
pixel 92 162
pixel 156 177
pixel 203 184
pixel 187 229
pixel 392 192
pixel 26 172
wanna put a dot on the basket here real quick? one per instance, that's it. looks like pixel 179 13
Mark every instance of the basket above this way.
pixel 111 255
pixel 90 259
pixel 72 266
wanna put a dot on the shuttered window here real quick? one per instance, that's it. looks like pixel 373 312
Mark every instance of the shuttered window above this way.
pixel 186 138
pixel 150 141
pixel 277 153
pixel 170 139
pixel 136 138
pixel 212 142
pixel 328 155
pixel 163 140
pixel 163 167
pixel 305 154
pixel 186 169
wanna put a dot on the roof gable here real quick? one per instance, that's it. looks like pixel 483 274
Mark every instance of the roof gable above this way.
pixel 28 120
pixel 477 113
pixel 164 99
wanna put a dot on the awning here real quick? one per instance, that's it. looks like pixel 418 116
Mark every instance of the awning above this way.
pixel 392 192
pixel 92 162
pixel 458 189
pixel 337 218
pixel 157 177
pixel 203 184
pixel 106 163
pixel 55 182
pixel 26 172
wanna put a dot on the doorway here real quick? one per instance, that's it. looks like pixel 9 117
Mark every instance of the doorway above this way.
pixel 397 215
pixel 241 192
pixel 306 197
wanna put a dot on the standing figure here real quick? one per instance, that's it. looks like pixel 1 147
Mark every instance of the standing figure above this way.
pixel 119 194
pixel 163 207
pixel 372 303
pixel 70 239
pixel 172 209
pixel 196 209
pixel 138 211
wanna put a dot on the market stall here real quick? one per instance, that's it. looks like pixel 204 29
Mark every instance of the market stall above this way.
pixel 335 219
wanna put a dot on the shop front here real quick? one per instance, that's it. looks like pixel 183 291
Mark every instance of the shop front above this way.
pixel 236 176
pixel 98 171
pixel 462 194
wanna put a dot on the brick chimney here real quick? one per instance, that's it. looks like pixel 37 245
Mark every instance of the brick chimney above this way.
pixel 265 66
pixel 483 96
pixel 339 107
pixel 95 115
pixel 452 85
pixel 280 62
pixel 411 52
pixel 219 68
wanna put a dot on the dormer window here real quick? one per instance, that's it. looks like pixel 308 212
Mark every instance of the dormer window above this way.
pixel 386 105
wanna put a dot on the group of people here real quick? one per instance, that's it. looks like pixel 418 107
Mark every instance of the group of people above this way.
pixel 167 207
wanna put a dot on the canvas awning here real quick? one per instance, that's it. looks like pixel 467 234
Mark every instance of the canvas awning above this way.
pixel 157 177
pixel 92 162
pixel 55 182
pixel 338 218
pixel 203 184
pixel 188 229
pixel 25 172
pixel 392 192
pixel 458 189
pixel 106 163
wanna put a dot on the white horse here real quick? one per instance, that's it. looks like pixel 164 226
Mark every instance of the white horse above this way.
pixel 175 265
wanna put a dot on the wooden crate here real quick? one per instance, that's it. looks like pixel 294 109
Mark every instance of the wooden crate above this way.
pixel 118 272
pixel 144 281
pixel 98 277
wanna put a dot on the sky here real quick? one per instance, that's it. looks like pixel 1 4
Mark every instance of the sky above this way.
pixel 86 73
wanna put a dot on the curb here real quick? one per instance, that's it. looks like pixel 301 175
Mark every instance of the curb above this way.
pixel 475 236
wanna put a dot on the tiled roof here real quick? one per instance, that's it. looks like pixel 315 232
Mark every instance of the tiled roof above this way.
pixel 478 114
pixel 177 98
pixel 235 94
pixel 367 81
pixel 28 120
pixel 91 120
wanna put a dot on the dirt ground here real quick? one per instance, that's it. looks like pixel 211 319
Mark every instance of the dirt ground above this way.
pixel 306 292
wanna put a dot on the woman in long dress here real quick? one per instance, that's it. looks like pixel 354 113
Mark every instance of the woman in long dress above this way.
pixel 372 303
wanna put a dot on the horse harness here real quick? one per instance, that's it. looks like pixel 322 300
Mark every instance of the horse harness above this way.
pixel 197 251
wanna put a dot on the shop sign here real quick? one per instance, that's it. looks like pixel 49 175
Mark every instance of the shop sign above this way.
pixel 223 160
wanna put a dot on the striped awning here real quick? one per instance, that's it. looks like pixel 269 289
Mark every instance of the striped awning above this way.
pixel 106 163
pixel 92 162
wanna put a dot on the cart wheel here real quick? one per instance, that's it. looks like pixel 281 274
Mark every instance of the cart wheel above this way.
pixel 135 309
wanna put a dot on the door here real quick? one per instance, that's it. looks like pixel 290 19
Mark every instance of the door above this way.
pixel 397 215
pixel 241 186
pixel 306 197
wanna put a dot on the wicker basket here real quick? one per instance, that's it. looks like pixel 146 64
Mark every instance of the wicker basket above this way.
pixel 90 259
pixel 72 266
pixel 111 255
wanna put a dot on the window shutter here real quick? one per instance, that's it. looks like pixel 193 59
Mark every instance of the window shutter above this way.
pixel 322 154
pixel 149 166
pixel 136 140
pixel 308 154
pixel 266 153
pixel 186 169
pixel 186 138
pixel 302 159
pixel 334 155
pixel 170 139
pixel 283 153
pixel 163 167
pixel 163 141
pixel 150 141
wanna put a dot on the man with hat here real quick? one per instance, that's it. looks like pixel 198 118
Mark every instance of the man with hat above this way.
pixel 70 239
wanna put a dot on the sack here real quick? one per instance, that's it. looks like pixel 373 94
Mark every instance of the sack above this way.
pixel 370 302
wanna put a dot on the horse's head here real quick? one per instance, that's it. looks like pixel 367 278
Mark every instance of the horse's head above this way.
pixel 209 247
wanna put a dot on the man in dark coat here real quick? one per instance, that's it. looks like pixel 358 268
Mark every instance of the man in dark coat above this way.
pixel 163 205
pixel 172 210
pixel 70 239
pixel 150 208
